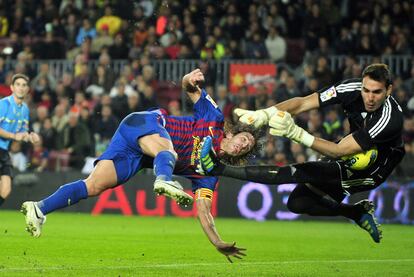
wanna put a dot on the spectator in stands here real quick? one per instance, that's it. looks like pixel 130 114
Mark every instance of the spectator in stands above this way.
pixel 76 140
pixel 82 80
pixel 102 78
pixel 314 27
pixel 232 26
pixel 58 28
pixel 293 22
pixel 287 90
pixel 59 121
pixel 105 124
pixel 4 24
pixel 275 45
pixel 41 114
pixel 44 72
pixel 134 102
pixel 109 21
pixel 3 71
pixel 196 45
pixel 120 101
pixel 224 101
pixel 255 48
pixel 212 49
pixel 333 125
pixel 408 84
pixel 39 157
pixel 48 134
pixel 71 30
pixel 274 18
pixel 118 50
pixel 315 124
pixel 103 39
pixel 80 101
pixel 87 30
pixel 174 47
pixel 322 72
pixel 18 159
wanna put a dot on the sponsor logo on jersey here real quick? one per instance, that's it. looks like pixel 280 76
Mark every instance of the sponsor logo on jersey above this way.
pixel 195 153
pixel 208 97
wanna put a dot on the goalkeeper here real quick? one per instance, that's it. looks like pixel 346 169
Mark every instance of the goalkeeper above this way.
pixel 376 123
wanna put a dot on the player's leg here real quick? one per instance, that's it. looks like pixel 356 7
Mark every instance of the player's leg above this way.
pixel 103 176
pixel 6 173
pixel 5 187
pixel 307 199
pixel 162 150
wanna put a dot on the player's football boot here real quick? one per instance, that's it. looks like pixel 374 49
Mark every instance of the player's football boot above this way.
pixel 208 160
pixel 368 222
pixel 34 218
pixel 173 190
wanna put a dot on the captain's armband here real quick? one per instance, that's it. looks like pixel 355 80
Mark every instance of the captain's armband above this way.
pixel 204 193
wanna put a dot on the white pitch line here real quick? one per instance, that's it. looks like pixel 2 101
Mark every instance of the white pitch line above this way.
pixel 240 263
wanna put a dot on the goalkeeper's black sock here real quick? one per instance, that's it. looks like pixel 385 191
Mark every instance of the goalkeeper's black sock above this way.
pixel 350 211
pixel 2 200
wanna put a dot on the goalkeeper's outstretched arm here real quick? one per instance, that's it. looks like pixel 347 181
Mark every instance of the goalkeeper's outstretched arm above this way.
pixel 294 106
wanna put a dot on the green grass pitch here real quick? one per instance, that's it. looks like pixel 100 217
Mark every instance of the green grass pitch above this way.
pixel 112 245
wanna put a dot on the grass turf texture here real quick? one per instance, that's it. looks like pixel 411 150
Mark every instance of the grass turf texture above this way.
pixel 111 245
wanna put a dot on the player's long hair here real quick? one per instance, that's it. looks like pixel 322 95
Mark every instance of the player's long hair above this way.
pixel 238 127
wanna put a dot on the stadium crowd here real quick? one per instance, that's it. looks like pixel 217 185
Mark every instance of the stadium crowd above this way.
pixel 77 113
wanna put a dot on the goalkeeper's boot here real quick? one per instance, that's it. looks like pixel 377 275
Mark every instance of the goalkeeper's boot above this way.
pixel 34 218
pixel 173 190
pixel 207 156
pixel 368 222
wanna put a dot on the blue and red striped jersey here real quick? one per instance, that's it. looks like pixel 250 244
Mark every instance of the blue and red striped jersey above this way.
pixel 186 134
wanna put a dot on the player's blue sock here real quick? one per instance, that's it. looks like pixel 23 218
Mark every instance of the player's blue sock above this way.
pixel 164 164
pixel 66 195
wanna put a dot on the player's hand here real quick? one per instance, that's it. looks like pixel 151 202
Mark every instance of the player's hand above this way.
pixel 230 250
pixel 34 138
pixel 22 136
pixel 192 80
pixel 257 118
pixel 283 125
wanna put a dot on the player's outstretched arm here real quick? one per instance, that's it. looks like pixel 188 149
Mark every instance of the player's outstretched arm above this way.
pixel 294 106
pixel 207 223
pixel 190 83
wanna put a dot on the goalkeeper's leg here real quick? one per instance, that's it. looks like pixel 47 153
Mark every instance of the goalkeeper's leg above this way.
pixel 305 200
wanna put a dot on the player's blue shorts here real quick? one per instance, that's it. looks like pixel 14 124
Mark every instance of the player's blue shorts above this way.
pixel 124 150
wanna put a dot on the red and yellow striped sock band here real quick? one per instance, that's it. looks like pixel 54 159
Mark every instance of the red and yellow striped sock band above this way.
pixel 204 194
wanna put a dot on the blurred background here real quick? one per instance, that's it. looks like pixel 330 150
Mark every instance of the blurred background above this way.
pixel 93 62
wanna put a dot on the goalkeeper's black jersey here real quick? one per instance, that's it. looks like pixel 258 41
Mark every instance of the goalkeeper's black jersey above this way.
pixel 381 128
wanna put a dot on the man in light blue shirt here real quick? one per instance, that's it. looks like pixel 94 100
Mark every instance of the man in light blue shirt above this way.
pixel 14 125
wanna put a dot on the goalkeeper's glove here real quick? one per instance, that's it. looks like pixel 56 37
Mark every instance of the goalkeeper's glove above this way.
pixel 256 118
pixel 283 125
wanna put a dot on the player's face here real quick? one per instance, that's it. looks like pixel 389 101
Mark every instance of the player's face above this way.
pixel 240 144
pixel 20 88
pixel 374 93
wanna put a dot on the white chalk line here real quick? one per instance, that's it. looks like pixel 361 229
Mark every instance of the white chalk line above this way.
pixel 183 265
